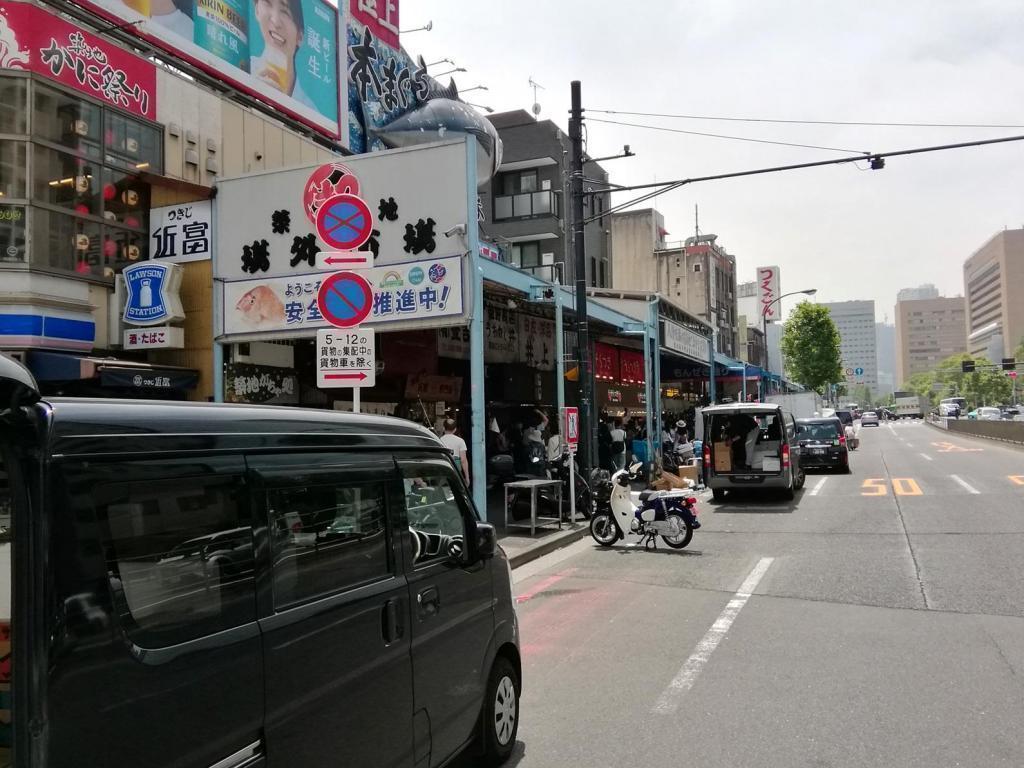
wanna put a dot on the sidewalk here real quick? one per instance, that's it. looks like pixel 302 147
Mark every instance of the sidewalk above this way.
pixel 522 548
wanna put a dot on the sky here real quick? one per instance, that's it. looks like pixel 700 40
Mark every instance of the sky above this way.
pixel 850 232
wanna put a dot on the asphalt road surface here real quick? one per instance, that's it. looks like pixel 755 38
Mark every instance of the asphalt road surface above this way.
pixel 877 620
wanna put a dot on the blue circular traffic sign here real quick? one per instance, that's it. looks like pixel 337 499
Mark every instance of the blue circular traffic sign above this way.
pixel 859 371
pixel 345 299
pixel 344 222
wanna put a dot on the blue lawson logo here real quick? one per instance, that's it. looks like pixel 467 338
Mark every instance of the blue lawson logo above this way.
pixel 152 293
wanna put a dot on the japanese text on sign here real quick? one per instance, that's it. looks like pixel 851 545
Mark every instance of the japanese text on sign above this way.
pixel 182 232
pixel 346 357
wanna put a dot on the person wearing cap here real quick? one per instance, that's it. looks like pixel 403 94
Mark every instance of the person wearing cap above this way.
pixel 457 446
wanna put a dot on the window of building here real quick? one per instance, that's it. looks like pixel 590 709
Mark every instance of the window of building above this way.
pixel 177 541
pixel 13 169
pixel 526 254
pixel 12 233
pixel 64 119
pixel 603 283
pixel 326 539
pixel 13 105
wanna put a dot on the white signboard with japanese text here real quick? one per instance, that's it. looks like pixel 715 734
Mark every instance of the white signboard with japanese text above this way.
pixel 164 337
pixel 768 291
pixel 346 357
pixel 179 233
pixel 684 341
pixel 418 290
pixel 414 196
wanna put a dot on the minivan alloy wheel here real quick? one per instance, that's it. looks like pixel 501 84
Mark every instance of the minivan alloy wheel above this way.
pixel 506 709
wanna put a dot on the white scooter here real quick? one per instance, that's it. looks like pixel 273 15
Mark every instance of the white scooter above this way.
pixel 669 514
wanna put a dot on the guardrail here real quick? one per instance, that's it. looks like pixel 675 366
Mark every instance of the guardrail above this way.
pixel 1005 431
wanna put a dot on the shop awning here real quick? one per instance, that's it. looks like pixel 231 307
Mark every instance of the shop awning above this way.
pixel 733 367
pixel 109 371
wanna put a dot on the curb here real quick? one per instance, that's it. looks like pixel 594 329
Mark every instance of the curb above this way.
pixel 971 436
pixel 548 546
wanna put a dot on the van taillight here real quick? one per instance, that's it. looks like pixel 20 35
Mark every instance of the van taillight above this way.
pixel 842 439
pixel 785 455
pixel 707 455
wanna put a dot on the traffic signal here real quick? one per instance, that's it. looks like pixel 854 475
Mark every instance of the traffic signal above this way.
pixel 967 366
pixel 1009 364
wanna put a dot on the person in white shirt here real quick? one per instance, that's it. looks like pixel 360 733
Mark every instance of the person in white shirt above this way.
pixel 618 445
pixel 457 446
pixel 554 445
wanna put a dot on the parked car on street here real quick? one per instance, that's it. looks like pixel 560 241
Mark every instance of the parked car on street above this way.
pixel 245 587
pixel 823 444
pixel 989 413
pixel 869 419
pixel 751 446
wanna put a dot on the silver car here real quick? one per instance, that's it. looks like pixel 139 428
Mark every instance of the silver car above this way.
pixel 869 419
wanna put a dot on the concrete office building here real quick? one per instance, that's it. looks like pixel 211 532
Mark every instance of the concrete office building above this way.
pixel 927 332
pixel 994 291
pixel 924 291
pixel 855 321
pixel 885 339
pixel 526 205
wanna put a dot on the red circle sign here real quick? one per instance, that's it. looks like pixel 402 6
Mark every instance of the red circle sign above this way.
pixel 345 299
pixel 344 222
pixel 324 183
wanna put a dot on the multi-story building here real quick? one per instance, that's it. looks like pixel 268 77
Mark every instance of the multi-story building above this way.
pixel 927 332
pixel 698 274
pixel 994 291
pixel 526 205
pixel 855 321
pixel 923 291
pixel 885 338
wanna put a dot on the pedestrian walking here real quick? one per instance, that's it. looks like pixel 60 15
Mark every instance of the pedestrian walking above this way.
pixel 618 446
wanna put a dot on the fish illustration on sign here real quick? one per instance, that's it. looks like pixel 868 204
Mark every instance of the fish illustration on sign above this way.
pixel 440 115
pixel 11 54
pixel 260 305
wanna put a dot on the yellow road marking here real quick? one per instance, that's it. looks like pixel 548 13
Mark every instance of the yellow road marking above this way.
pixel 945 447
pixel 1018 479
pixel 874 486
pixel 905 486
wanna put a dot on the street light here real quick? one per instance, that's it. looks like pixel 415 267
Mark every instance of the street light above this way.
pixel 450 71
pixel 764 325
pixel 475 88
pixel 440 61
pixel 488 110
pixel 425 28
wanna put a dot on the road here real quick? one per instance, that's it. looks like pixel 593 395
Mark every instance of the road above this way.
pixel 884 625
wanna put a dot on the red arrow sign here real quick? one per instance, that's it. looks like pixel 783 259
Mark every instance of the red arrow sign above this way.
pixel 337 260
pixel 345 376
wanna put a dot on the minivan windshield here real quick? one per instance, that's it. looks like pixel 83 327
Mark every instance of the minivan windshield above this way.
pixel 824 430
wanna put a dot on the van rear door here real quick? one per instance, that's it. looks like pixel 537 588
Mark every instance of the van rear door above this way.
pixel 747 442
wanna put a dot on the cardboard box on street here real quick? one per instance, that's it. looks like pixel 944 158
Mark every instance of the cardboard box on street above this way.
pixel 668 480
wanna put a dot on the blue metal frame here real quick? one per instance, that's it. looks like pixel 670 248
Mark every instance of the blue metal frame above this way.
pixel 478 401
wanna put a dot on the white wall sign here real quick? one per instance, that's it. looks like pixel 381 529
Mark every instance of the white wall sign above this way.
pixel 680 339
pixel 346 357
pixel 181 232
pixel 768 290
pixel 416 290
pixel 415 195
pixel 163 337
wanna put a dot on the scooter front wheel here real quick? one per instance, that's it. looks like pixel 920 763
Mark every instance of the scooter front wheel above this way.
pixel 603 529
pixel 682 538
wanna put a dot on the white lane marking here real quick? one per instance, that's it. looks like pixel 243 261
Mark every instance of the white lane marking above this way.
pixel 817 487
pixel 668 702
pixel 926 456
pixel 966 486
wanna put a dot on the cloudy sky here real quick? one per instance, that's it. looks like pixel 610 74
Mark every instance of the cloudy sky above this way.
pixel 850 232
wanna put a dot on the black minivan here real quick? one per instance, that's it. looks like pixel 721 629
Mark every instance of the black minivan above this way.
pixel 188 584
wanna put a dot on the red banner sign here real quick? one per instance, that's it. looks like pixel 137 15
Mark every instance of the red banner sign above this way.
pixel 606 362
pixel 40 42
pixel 380 16
pixel 631 366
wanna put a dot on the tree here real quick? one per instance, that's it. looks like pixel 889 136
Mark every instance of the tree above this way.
pixel 1018 355
pixel 810 345
pixel 948 380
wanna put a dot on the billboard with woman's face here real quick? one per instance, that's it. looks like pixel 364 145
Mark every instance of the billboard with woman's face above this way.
pixel 281 51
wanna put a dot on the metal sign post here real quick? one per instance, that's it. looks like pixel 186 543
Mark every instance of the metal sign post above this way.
pixel 571 438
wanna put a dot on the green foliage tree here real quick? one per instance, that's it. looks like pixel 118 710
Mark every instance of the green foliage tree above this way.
pixel 1018 354
pixel 948 380
pixel 810 344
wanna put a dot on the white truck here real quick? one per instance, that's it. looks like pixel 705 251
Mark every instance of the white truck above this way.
pixel 908 405
pixel 803 405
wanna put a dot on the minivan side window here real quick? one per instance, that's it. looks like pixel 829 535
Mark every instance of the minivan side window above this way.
pixel 327 538
pixel 178 544
pixel 435 516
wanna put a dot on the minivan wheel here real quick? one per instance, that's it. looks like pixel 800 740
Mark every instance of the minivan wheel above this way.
pixel 500 713
pixel 718 493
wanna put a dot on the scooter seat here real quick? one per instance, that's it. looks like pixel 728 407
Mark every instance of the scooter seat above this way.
pixel 651 495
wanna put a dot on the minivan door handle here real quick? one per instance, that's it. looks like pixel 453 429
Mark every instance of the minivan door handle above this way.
pixel 429 601
pixel 391 630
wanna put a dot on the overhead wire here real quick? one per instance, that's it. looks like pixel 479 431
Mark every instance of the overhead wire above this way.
pixel 867 123
pixel 730 138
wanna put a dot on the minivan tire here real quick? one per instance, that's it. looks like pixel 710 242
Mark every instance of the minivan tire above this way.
pixel 498 744
pixel 718 493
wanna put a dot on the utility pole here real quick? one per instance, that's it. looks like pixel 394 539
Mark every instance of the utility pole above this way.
pixel 587 416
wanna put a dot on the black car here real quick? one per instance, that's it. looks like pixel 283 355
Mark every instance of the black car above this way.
pixel 823 444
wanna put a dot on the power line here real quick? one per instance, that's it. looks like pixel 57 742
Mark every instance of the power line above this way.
pixel 721 136
pixel 877 160
pixel 806 122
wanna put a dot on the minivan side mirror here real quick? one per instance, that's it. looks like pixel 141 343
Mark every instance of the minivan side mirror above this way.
pixel 486 541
